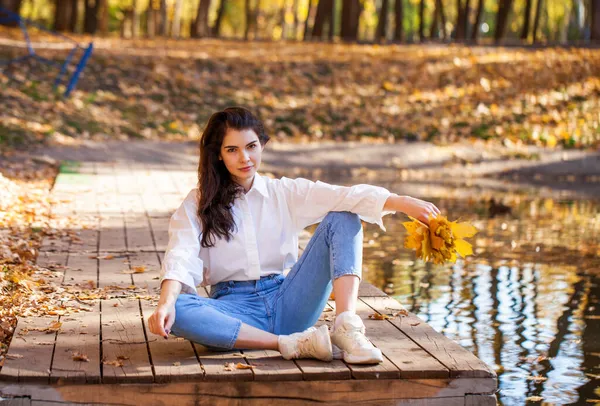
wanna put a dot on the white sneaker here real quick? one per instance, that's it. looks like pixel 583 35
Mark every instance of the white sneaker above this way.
pixel 310 343
pixel 349 337
pixel 337 352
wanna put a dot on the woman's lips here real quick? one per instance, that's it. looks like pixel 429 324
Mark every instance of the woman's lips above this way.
pixel 246 169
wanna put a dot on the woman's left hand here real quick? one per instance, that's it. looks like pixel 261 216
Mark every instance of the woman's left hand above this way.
pixel 420 209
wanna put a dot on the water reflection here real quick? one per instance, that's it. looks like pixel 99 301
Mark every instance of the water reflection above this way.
pixel 526 303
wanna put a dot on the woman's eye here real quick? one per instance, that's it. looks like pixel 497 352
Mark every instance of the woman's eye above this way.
pixel 253 146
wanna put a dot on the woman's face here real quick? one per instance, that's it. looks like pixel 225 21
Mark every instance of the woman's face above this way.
pixel 241 152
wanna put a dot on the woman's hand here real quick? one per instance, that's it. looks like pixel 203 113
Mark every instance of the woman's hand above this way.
pixel 162 319
pixel 419 209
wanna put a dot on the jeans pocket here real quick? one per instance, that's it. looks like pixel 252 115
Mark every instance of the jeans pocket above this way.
pixel 219 292
pixel 279 278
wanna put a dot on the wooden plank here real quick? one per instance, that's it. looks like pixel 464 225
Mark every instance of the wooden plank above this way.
pixel 112 233
pixel 457 359
pixel 480 400
pixel 123 340
pixel 365 289
pixel 139 236
pixel 408 357
pixel 122 329
pixel 383 370
pixel 36 360
pixel 29 355
pixel 87 237
pixel 81 269
pixel 351 391
pixel 55 261
pixel 15 402
pixel 114 272
pixel 160 231
pixel 80 331
pixel 213 364
pixel 154 204
pixel 270 366
pixel 173 359
pixel 62 207
pixel 313 369
pixel 79 334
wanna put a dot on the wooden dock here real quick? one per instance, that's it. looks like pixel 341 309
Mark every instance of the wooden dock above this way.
pixel 98 349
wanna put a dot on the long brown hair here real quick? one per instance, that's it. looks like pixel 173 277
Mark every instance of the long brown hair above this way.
pixel 217 190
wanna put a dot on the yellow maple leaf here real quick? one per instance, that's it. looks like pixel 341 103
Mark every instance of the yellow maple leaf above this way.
pixel 441 241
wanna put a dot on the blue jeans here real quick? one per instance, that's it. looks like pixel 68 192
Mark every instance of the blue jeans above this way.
pixel 274 303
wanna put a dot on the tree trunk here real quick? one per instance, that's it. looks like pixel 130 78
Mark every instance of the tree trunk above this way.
pixel 422 20
pixel 536 21
pixel 466 14
pixel 350 17
pixel 164 18
pixel 595 14
pixel 256 17
pixel 323 16
pixel 381 32
pixel 103 17
pixel 504 9
pixel 248 10
pixel 295 27
pixel 61 15
pixel 135 23
pixel 563 32
pixel 176 31
pixel 477 23
pixel 74 15
pixel 399 21
pixel 91 17
pixel 200 26
pixel 309 15
pixel 282 22
pixel 434 29
pixel 150 23
pixel 460 26
pixel 527 17
pixel 332 20
pixel 127 24
pixel 220 14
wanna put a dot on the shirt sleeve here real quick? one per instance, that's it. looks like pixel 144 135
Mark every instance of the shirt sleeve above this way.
pixel 182 257
pixel 309 201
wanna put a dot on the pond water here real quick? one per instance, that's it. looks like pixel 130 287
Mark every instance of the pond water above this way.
pixel 526 303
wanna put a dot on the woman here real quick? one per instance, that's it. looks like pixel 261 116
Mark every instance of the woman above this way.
pixel 238 231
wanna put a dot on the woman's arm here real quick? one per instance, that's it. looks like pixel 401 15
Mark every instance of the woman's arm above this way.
pixel 419 209
pixel 169 290
pixel 182 260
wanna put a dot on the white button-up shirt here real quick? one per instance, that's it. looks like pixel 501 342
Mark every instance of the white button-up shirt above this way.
pixel 268 219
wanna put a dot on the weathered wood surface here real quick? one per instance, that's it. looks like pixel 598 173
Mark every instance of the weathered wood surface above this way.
pixel 127 211
pixel 370 392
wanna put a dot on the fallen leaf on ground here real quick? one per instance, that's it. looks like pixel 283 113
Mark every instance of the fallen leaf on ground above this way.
pixel 77 356
pixel 378 316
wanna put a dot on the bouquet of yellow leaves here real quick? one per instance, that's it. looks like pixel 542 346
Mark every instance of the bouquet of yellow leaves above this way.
pixel 441 241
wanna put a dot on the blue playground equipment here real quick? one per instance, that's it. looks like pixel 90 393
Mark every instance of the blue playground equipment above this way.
pixel 7 17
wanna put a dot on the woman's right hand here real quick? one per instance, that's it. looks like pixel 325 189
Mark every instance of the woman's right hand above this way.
pixel 162 319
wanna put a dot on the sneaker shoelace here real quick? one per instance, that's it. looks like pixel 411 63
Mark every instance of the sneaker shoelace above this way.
pixel 305 346
pixel 357 336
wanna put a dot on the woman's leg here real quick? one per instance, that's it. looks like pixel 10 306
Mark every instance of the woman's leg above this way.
pixel 334 253
pixel 210 322
pixel 218 324
pixel 253 338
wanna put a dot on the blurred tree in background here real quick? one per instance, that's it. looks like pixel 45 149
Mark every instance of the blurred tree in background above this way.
pixel 498 21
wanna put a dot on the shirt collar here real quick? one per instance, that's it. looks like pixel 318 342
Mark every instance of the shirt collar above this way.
pixel 260 185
